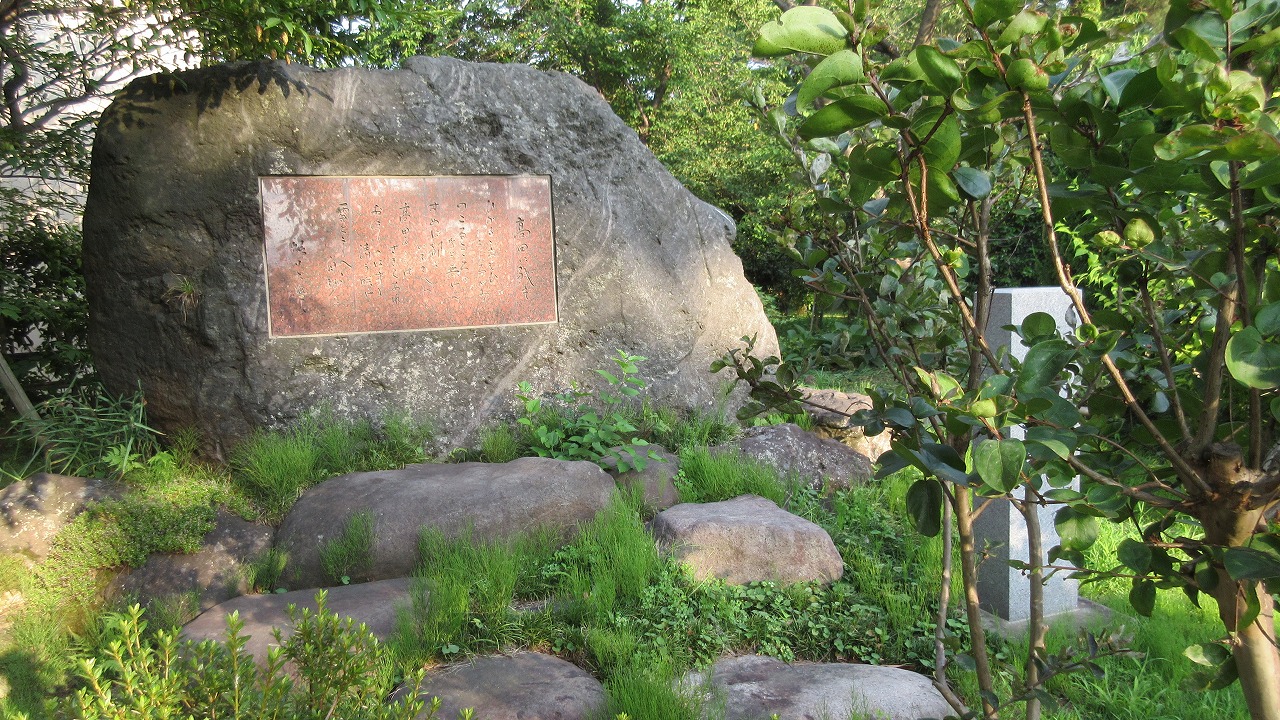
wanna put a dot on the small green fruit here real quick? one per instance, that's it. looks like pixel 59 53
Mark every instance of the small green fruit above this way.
pixel 1024 74
pixel 1138 234
pixel 1107 239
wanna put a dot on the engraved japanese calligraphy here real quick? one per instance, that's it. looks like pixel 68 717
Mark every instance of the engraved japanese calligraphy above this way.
pixel 386 254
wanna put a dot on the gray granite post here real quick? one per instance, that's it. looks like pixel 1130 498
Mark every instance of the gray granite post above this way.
pixel 1000 528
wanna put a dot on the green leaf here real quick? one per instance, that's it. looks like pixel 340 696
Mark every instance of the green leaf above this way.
pixel 1253 361
pixel 1191 140
pixel 973 184
pixel 986 12
pixel 1195 43
pixel 1249 564
pixel 1134 555
pixel 1115 83
pixel 1207 654
pixel 1268 319
pixel 1142 596
pixel 1077 530
pixel 1058 442
pixel 924 505
pixel 941 71
pixel 1268 173
pixel 1260 42
pixel 844 114
pixel 806 29
pixel 942 148
pixel 1038 327
pixel 999 463
pixel 1251 146
pixel 1024 23
pixel 942 193
pixel 842 68
pixel 1043 363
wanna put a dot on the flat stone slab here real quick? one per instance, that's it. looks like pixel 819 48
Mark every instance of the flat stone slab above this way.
pixel 657 478
pixel 37 508
pixel 216 571
pixel 375 604
pixel 493 500
pixel 747 539
pixel 522 686
pixel 757 687
pixel 816 460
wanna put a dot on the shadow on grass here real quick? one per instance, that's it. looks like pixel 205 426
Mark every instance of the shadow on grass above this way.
pixel 28 682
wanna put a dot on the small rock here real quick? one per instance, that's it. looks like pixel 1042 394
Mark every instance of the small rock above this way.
pixel 747 539
pixel 216 571
pixel 37 508
pixel 523 686
pixel 816 460
pixel 374 604
pixel 755 687
pixel 493 500
pixel 831 420
pixel 832 408
pixel 657 477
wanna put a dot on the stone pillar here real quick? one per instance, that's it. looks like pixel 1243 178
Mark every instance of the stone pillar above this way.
pixel 1000 528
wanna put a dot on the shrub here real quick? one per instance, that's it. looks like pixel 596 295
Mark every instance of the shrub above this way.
pixel 342 672
pixel 578 429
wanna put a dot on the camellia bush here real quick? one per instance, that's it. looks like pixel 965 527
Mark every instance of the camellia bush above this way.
pixel 1154 172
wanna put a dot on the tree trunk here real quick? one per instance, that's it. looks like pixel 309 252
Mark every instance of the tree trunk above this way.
pixel 15 392
pixel 1230 520
pixel 1257 660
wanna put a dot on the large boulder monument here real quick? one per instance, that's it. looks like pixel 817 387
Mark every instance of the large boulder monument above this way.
pixel 263 240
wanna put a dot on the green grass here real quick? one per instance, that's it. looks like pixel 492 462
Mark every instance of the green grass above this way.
pixel 347 557
pixel 1157 685
pixel 605 599
pixel 86 432
pixel 710 477
pixel 274 468
pixel 649 693
pixel 263 573
pixel 499 444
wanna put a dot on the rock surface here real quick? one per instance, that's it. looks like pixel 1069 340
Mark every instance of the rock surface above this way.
pixel 173 245
pixel 37 508
pixel 757 687
pixel 747 539
pixel 790 449
pixel 831 420
pixel 657 478
pixel 523 686
pixel 375 604
pixel 494 500
pixel 216 571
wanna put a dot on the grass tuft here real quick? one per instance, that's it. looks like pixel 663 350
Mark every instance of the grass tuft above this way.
pixel 348 557
pixel 498 444
pixel 712 477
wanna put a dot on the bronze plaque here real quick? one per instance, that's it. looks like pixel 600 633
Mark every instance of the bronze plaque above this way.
pixel 392 254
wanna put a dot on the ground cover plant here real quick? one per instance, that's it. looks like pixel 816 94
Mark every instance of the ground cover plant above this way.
pixel 607 600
